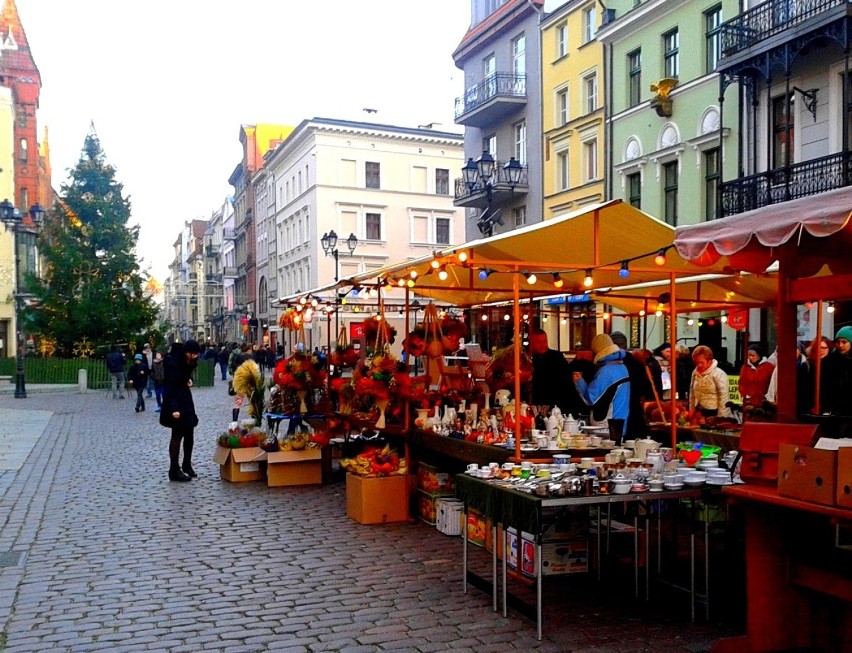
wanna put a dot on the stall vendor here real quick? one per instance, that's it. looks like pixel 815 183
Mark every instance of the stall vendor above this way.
pixel 708 391
pixel 755 376
pixel 608 394
pixel 838 374
pixel 551 376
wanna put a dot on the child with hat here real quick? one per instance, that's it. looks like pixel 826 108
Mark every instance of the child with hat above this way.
pixel 138 375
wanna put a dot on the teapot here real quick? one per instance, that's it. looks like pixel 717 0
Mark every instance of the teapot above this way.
pixel 571 425
pixel 645 446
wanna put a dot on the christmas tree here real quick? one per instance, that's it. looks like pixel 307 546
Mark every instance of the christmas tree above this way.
pixel 92 291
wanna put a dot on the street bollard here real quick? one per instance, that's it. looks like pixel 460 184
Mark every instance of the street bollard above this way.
pixel 82 381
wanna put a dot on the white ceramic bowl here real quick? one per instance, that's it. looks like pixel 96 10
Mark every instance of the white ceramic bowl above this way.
pixel 673 486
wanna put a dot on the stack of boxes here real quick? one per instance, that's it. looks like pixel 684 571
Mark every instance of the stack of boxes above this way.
pixel 821 474
pixel 565 547
pixel 432 484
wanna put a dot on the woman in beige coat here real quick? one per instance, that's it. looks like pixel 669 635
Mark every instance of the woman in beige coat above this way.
pixel 708 388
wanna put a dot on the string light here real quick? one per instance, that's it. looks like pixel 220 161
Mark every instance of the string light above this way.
pixel 484 317
pixel 690 322
pixel 401 283
pixel 606 315
pixel 531 278
pixel 303 300
pixel 413 274
pixel 723 319
pixel 564 320
pixel 462 257
pixel 641 312
pixel 411 283
pixel 624 272
pixel 558 281
pixel 588 280
pixel 443 274
pixel 830 307
pixel 484 273
pixel 507 317
pixel 435 264
pixel 658 312
pixel 660 258
pixel 544 317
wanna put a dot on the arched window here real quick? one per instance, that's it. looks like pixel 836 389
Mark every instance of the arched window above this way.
pixel 23 153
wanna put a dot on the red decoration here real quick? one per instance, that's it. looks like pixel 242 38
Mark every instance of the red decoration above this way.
pixel 709 257
pixel 754 258
pixel 738 320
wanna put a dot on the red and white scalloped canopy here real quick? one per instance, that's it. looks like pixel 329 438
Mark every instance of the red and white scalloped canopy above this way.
pixel 770 226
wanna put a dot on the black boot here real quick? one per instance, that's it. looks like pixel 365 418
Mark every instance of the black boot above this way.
pixel 177 475
pixel 235 415
pixel 188 470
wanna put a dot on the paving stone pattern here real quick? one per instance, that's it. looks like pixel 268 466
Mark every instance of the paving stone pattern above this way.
pixel 113 557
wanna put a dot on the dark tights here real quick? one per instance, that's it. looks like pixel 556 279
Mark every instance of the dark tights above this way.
pixel 188 437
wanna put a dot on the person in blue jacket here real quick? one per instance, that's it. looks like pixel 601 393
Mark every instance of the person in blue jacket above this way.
pixel 608 393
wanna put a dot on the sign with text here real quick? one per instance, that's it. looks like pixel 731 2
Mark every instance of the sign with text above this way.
pixel 356 330
pixel 734 389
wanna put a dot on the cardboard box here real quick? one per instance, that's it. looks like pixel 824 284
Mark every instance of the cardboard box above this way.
pixel 559 558
pixel 427 505
pixel 479 529
pixel 844 477
pixel 759 443
pixel 241 465
pixel 377 500
pixel 285 468
pixel 527 554
pixel 807 474
pixel 432 479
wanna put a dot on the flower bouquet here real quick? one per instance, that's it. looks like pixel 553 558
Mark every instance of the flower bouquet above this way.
pixel 344 354
pixel 300 373
pixel 375 462
pixel 377 333
pixel 290 319
pixel 374 378
pixel 248 381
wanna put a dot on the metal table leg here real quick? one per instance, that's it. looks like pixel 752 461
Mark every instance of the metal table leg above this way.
pixel 464 550
pixel 538 579
pixel 505 565
pixel 636 555
pixel 494 568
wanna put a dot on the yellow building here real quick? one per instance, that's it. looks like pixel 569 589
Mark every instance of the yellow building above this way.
pixel 572 108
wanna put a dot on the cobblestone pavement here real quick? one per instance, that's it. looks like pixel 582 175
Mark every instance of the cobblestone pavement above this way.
pixel 99 552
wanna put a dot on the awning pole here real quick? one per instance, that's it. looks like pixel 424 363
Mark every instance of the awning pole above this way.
pixel 516 304
pixel 407 351
pixel 817 361
pixel 673 357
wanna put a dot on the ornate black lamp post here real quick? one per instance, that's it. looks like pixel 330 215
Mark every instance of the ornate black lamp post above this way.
pixel 329 246
pixel 17 223
pixel 485 173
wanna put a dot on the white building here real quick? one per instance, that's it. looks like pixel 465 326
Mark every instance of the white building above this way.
pixel 387 185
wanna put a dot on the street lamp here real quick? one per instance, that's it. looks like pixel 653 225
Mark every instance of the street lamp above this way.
pixel 329 246
pixel 14 221
pixel 486 174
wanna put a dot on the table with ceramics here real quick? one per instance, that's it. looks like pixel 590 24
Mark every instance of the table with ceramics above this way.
pixel 509 506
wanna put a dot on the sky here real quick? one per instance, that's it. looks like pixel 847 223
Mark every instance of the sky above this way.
pixel 168 83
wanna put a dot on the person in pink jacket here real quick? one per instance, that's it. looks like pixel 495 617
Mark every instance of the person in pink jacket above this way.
pixel 754 377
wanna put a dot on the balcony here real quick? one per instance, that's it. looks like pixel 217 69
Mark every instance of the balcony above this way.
pixel 229 272
pixel 783 184
pixel 229 234
pixel 213 279
pixel 768 22
pixel 491 99
pixel 501 189
pixel 213 249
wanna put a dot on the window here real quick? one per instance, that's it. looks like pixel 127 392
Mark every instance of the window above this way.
pixel 521 142
pixel 671 44
pixel 713 37
pixel 561 40
pixel 23 154
pixel 489 66
pixel 373 171
pixel 590 159
pixel 589 24
pixel 373 226
pixel 783 133
pixel 711 182
pixel 634 190
pixel 519 216
pixel 519 61
pixel 670 176
pixel 489 144
pixel 562 107
pixel 634 66
pixel 442 231
pixel 562 170
pixel 442 181
pixel 590 88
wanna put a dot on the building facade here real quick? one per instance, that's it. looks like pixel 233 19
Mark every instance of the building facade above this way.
pixel 501 114
pixel 388 186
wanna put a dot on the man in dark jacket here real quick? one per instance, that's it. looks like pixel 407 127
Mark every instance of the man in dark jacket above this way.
pixel 222 359
pixel 551 376
pixel 115 366
pixel 139 375
pixel 178 412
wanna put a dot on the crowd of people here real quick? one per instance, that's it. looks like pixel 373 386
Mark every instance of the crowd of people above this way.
pixel 613 387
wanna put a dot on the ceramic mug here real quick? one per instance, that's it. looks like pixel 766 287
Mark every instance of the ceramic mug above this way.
pixel 526 464
pixel 472 467
pixel 508 466
pixel 595 440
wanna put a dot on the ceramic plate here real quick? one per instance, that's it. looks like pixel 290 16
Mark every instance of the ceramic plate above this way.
pixel 677 486
pixel 527 447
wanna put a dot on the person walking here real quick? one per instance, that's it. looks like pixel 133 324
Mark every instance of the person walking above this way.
pixel 138 377
pixel 149 360
pixel 158 374
pixel 178 410
pixel 222 359
pixel 243 356
pixel 115 366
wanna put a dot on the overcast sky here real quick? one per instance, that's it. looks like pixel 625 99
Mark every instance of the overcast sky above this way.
pixel 168 83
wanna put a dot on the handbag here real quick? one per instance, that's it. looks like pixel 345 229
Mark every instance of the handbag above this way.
pixel 231 390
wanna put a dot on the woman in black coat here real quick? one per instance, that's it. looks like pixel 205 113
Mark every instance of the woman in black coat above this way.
pixel 178 411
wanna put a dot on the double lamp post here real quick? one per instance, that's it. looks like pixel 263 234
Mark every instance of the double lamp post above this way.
pixel 17 223
pixel 329 246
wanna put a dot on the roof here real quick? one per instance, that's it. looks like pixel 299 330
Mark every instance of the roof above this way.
pixel 599 238
pixel 755 239
pixel 478 30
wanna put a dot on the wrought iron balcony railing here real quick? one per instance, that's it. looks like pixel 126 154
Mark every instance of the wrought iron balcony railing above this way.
pixel 499 182
pixel 493 86
pixel 782 184
pixel 229 233
pixel 768 19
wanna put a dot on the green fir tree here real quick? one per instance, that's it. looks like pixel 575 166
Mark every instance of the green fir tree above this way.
pixel 91 288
